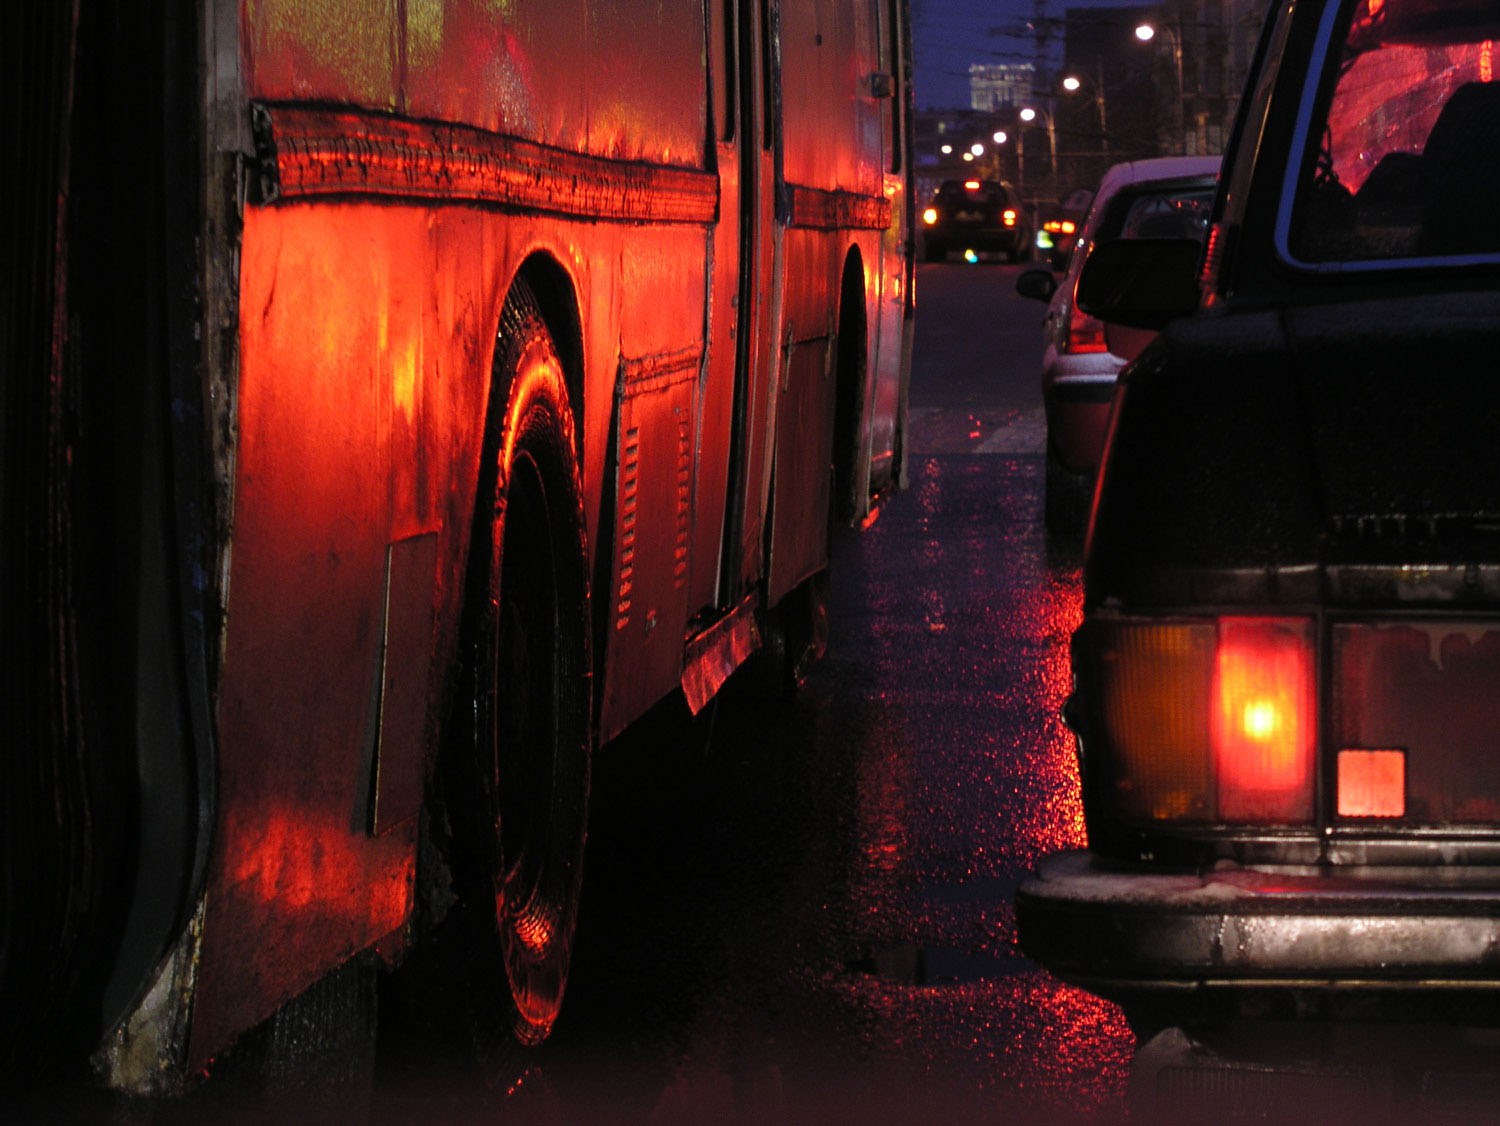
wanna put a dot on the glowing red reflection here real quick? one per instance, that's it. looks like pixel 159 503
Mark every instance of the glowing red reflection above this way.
pixel 1372 783
pixel 1263 722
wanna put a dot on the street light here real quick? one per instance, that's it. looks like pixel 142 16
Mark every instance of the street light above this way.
pixel 1146 32
pixel 1029 114
pixel 1072 84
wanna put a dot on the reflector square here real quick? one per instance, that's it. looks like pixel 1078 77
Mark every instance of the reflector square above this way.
pixel 1372 783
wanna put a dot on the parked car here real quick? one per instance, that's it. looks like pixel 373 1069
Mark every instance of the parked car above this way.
pixel 975 215
pixel 1288 671
pixel 1059 230
pixel 1166 197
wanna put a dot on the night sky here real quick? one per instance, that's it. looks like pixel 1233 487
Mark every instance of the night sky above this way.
pixel 951 34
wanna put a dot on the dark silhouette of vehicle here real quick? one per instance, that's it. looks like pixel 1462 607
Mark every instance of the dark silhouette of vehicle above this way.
pixel 975 215
pixel 1286 673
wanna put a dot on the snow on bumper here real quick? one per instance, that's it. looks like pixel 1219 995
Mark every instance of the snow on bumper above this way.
pixel 1089 920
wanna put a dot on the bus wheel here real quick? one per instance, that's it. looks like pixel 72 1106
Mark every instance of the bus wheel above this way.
pixel 519 802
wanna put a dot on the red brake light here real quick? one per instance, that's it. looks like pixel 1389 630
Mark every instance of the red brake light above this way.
pixel 1264 726
pixel 1067 226
pixel 972 185
pixel 1008 216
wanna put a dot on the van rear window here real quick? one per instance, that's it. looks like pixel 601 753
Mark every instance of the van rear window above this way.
pixel 1404 157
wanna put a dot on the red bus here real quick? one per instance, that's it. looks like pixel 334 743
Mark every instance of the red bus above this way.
pixel 399 400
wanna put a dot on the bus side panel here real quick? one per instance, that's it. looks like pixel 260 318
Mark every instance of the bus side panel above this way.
pixel 365 340
pixel 341 50
pixel 656 361
pixel 804 411
pixel 890 355
pixel 620 80
pixel 831 133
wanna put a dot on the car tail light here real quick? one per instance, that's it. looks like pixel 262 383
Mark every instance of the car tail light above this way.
pixel 930 216
pixel 1264 724
pixel 1008 216
pixel 972 185
pixel 1208 720
pixel 1085 334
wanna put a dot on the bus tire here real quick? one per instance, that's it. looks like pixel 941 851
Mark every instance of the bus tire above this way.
pixel 517 796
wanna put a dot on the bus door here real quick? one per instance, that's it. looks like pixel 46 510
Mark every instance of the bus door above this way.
pixel 738 392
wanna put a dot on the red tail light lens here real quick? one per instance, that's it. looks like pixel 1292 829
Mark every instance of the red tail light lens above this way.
pixel 1085 334
pixel 1264 727
pixel 1008 216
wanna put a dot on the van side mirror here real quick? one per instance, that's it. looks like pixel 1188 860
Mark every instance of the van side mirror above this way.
pixel 1141 282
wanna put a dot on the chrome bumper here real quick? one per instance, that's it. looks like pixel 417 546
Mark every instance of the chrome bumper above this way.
pixel 1116 927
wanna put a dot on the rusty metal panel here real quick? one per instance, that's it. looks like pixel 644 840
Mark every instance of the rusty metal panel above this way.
pixel 321 152
pixel 361 400
pixel 647 620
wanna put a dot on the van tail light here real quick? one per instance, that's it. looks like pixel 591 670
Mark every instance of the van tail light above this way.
pixel 1008 216
pixel 1264 728
pixel 1206 720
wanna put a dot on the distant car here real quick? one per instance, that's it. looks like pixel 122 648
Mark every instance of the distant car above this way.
pixel 1060 229
pixel 977 215
pixel 1287 677
pixel 1167 197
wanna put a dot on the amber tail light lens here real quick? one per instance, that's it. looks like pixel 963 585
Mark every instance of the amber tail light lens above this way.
pixel 1154 683
pixel 1208 720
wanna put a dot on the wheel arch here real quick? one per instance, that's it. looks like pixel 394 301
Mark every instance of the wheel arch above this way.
pixel 557 298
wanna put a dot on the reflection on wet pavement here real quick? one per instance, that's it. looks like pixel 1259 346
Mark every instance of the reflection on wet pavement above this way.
pixel 801 911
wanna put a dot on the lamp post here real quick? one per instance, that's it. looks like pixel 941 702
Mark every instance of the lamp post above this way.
pixel 1145 32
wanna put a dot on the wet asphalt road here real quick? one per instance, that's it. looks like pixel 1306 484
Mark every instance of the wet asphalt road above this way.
pixel 801 910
